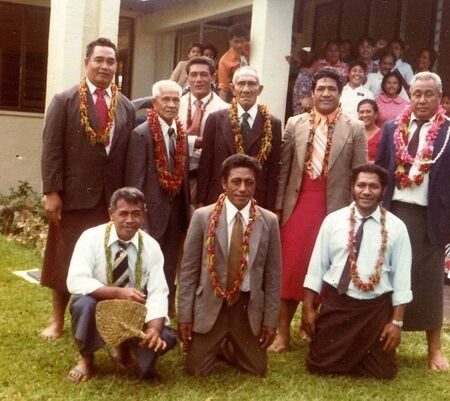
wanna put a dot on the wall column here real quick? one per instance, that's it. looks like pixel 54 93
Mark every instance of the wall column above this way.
pixel 271 33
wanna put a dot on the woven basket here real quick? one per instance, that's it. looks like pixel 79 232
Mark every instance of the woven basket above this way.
pixel 118 320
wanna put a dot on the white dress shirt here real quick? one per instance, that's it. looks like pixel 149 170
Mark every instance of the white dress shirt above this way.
pixel 405 69
pixel 231 217
pixel 252 111
pixel 330 255
pixel 350 99
pixel 417 194
pixel 108 99
pixel 87 270
pixel 165 128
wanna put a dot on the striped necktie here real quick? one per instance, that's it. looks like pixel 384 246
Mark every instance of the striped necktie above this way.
pixel 319 147
pixel 120 274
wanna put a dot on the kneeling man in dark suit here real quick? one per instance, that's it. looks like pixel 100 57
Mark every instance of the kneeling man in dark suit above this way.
pixel 229 288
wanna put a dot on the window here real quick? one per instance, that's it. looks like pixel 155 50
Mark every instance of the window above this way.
pixel 23 57
pixel 125 44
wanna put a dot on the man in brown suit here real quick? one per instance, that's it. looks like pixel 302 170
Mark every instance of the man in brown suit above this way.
pixel 305 196
pixel 251 125
pixel 162 175
pixel 86 136
pixel 223 300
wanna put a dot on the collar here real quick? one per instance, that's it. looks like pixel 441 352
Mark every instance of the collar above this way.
pixel 348 87
pixel 232 210
pixel 252 111
pixel 386 99
pixel 376 214
pixel 330 117
pixel 165 127
pixel 92 88
pixel 413 117
pixel 114 238
pixel 203 99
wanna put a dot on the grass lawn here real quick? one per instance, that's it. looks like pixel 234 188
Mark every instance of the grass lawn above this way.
pixel 32 369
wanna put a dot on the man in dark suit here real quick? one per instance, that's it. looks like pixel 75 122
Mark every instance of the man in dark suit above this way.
pixel 245 128
pixel 224 302
pixel 157 165
pixel 416 151
pixel 85 139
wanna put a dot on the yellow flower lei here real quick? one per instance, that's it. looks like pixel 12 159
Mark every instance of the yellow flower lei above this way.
pixel 103 135
pixel 266 141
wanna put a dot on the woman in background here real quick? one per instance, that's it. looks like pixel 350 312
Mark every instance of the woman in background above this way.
pixel 368 114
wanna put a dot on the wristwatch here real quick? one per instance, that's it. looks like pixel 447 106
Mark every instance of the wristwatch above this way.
pixel 398 323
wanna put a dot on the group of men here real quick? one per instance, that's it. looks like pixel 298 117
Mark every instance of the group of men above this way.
pixel 196 151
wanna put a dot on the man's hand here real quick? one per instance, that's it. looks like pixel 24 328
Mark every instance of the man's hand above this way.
pixel 309 317
pixel 185 334
pixel 267 336
pixel 153 340
pixel 53 207
pixel 131 294
pixel 391 336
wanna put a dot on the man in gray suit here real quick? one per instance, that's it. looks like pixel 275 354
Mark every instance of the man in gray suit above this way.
pixel 86 134
pixel 229 286
pixel 157 166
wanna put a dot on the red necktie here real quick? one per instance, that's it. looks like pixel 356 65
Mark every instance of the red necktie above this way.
pixel 101 109
pixel 194 129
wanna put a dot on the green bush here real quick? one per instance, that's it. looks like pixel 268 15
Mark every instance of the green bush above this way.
pixel 22 216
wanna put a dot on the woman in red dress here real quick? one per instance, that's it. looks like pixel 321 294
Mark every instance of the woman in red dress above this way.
pixel 368 114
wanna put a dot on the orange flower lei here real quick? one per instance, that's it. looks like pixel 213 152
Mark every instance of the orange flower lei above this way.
pixel 266 142
pixel 211 252
pixel 171 182
pixel 374 279
pixel 103 135
pixel 309 145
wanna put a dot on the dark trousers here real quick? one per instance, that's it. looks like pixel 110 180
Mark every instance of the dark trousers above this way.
pixel 231 324
pixel 82 310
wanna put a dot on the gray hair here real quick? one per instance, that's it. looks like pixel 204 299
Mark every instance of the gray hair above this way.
pixel 425 76
pixel 128 194
pixel 159 86
pixel 246 70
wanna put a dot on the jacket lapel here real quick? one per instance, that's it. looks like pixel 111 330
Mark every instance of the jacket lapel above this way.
pixel 301 140
pixel 339 139
pixel 438 144
pixel 255 237
pixel 227 132
pixel 222 233
pixel 91 112
pixel 255 132
pixel 117 124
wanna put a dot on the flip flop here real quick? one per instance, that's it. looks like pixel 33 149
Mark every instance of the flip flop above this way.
pixel 83 375
pixel 439 365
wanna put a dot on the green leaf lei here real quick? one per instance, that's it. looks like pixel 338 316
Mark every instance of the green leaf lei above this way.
pixel 138 268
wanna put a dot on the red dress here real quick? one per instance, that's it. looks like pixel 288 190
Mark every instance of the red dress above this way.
pixel 373 145
pixel 299 234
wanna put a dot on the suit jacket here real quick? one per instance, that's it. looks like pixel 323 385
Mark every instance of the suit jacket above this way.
pixel 70 165
pixel 197 302
pixel 218 145
pixel 438 210
pixel 348 150
pixel 141 173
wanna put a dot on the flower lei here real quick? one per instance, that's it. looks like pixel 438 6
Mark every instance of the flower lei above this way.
pixel 171 182
pixel 423 157
pixel 211 253
pixel 138 266
pixel 266 142
pixel 189 110
pixel 103 135
pixel 310 146
pixel 374 279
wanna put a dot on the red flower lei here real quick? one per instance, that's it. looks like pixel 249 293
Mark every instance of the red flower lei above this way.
pixel 211 252
pixel 374 279
pixel 309 145
pixel 171 182
pixel 401 137
pixel 103 135
pixel 266 141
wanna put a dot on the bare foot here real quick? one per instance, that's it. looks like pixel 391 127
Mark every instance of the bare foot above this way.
pixel 280 344
pixel 438 362
pixel 53 331
pixel 82 371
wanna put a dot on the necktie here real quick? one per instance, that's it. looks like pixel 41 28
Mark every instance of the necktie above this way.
pixel 344 281
pixel 101 109
pixel 197 115
pixel 120 275
pixel 413 144
pixel 245 126
pixel 319 147
pixel 172 139
pixel 234 254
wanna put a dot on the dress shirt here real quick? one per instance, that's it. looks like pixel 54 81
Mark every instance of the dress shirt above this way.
pixel 108 99
pixel 252 111
pixel 330 255
pixel 231 216
pixel 350 99
pixel 87 270
pixel 417 194
pixel 165 128
pixel 405 69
